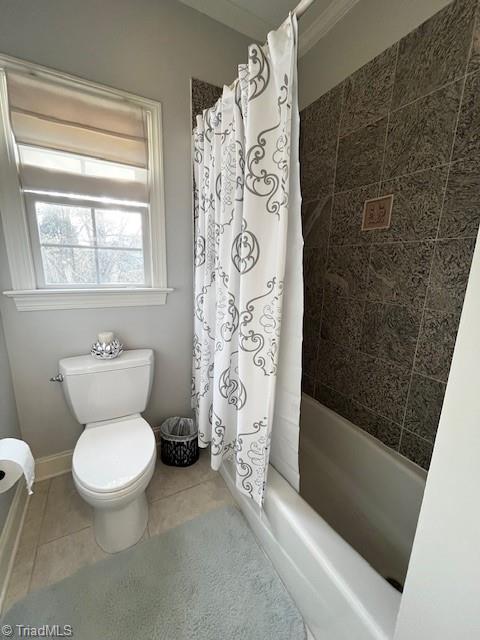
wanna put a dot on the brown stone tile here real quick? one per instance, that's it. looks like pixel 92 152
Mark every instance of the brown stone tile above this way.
pixel 417 204
pixel 425 401
pixel 347 271
pixel 332 399
pixel 436 343
pixel 336 367
pixel 204 96
pixel 360 156
pixel 316 223
pixel 461 210
pixel 390 332
pixel 347 214
pixel 342 320
pixel 467 138
pixel 398 273
pixel 382 387
pixel 311 339
pixel 435 53
pixel 315 262
pixel 474 62
pixel 416 449
pixel 420 135
pixel 368 92
pixel 377 426
pixel 449 276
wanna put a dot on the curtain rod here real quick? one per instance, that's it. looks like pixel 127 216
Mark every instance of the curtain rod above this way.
pixel 299 10
pixel 301 7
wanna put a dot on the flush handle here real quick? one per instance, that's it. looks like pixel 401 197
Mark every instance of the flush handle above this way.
pixel 57 378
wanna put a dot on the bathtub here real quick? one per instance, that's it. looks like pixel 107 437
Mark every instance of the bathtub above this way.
pixel 368 493
pixel 339 593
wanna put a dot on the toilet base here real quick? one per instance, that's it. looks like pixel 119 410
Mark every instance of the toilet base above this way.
pixel 119 528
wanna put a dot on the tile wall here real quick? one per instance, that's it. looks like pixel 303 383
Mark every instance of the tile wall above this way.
pixel 204 95
pixel 382 307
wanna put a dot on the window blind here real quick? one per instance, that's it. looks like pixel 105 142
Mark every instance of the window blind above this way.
pixel 71 122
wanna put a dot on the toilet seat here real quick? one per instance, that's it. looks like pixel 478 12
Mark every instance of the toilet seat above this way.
pixel 112 457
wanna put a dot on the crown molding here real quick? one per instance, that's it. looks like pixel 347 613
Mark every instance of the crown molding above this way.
pixel 233 16
pixel 241 20
pixel 335 11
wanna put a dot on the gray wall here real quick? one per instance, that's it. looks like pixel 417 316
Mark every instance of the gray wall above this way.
pixel 8 417
pixel 151 48
pixel 382 307
pixel 367 30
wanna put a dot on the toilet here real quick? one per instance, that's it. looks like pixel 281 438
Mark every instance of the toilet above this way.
pixel 114 458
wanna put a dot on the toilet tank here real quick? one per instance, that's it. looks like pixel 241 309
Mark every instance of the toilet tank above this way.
pixel 98 390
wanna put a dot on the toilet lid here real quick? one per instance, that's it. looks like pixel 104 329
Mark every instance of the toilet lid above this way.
pixel 112 455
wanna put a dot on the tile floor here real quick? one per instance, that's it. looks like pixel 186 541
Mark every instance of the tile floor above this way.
pixel 57 537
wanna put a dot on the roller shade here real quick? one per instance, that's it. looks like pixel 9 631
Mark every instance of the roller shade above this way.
pixel 38 131
pixel 75 140
pixel 55 116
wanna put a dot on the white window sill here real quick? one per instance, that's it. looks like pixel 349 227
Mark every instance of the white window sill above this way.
pixel 48 299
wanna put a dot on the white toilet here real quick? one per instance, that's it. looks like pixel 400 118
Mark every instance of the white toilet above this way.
pixel 114 458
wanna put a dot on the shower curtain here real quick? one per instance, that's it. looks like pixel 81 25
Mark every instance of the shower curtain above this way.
pixel 248 299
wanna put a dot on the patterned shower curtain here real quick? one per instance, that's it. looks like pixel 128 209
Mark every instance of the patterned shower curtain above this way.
pixel 248 300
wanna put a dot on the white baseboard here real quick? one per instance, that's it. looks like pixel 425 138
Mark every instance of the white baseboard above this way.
pixel 52 466
pixel 10 536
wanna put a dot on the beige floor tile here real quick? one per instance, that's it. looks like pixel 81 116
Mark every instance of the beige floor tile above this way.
pixel 169 480
pixel 47 555
pixel 19 581
pixel 66 512
pixel 37 502
pixel 60 558
pixel 185 505
pixel 35 513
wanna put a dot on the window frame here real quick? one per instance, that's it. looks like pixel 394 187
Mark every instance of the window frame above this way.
pixel 26 293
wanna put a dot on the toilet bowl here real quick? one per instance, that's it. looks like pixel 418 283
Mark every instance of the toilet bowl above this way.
pixel 114 458
pixel 113 462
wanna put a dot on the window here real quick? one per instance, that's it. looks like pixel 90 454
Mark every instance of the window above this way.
pixel 83 244
pixel 83 204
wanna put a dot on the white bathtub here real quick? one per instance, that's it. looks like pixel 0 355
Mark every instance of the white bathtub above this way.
pixel 368 493
pixel 339 594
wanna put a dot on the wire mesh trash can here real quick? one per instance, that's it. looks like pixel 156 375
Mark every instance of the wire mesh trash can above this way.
pixel 178 442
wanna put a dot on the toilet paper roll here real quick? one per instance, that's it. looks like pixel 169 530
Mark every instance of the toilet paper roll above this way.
pixel 15 460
